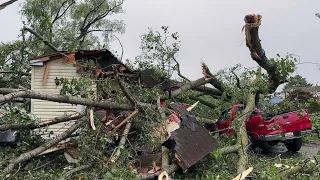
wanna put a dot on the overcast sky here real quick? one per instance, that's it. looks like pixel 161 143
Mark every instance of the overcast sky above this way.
pixel 210 30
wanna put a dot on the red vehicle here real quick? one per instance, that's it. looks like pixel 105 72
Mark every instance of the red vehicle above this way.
pixel 287 127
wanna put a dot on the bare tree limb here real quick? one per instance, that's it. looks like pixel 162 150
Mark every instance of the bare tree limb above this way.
pixel 86 26
pixel 46 42
pixel 12 95
pixel 32 126
pixel 58 15
pixel 5 4
pixel 28 155
pixel 178 70
pixel 204 102
pixel 253 42
pixel 210 91
pixel 122 142
pixel 67 99
pixel 97 30
pixel 188 86
pixel 237 79
pixel 214 81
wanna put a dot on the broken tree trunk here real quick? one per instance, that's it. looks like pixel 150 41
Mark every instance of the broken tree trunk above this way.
pixel 32 126
pixel 253 42
pixel 242 136
pixel 28 155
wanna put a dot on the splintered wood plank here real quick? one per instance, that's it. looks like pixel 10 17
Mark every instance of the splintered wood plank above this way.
pixel 45 74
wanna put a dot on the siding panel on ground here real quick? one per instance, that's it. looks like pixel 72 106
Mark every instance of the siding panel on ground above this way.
pixel 46 110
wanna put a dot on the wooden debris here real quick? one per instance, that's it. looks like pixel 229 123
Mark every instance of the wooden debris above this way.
pixel 163 176
pixel 92 120
pixel 125 120
pixel 45 74
pixel 244 174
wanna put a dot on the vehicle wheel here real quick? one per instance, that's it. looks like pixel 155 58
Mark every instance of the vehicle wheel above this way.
pixel 252 144
pixel 293 145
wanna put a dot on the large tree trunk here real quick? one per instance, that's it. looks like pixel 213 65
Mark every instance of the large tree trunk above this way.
pixel 252 24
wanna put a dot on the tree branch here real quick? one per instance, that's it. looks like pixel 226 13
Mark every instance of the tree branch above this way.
pixel 213 92
pixel 237 79
pixel 58 15
pixel 122 142
pixel 204 102
pixel 32 126
pixel 12 95
pixel 188 86
pixel 86 27
pixel 28 155
pixel 253 42
pixel 96 30
pixel 46 42
pixel 178 70
pixel 68 99
pixel 5 4
pixel 214 81
pixel 87 16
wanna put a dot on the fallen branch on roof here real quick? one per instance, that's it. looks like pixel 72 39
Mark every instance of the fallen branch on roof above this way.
pixel 46 42
pixel 30 154
pixel 32 126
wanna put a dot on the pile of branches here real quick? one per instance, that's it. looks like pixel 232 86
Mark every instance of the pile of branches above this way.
pixel 252 23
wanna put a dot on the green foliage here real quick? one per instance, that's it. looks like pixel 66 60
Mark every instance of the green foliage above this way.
pixel 284 66
pixel 17 115
pixel 158 51
pixel 13 60
pixel 70 24
pixel 76 87
pixel 297 81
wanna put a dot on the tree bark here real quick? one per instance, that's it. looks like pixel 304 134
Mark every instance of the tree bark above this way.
pixel 253 42
pixel 67 99
pixel 210 91
pixel 121 143
pixel 164 135
pixel 28 155
pixel 188 86
pixel 32 126
pixel 242 136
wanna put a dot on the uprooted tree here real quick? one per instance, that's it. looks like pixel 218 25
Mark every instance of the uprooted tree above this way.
pixel 231 86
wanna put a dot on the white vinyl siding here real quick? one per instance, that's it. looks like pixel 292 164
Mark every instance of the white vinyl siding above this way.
pixel 47 110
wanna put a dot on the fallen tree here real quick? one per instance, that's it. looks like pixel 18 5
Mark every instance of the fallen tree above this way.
pixel 221 88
